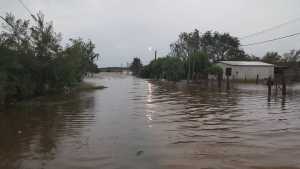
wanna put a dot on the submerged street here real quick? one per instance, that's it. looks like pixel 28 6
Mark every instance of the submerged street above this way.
pixel 140 124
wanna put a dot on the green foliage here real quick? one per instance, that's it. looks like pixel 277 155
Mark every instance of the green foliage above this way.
pixel 170 68
pixel 174 68
pixel 271 57
pixel 215 70
pixel 32 61
pixel 199 61
pixel 136 66
pixel 293 56
pixel 218 46
pixel 198 52
pixel 221 46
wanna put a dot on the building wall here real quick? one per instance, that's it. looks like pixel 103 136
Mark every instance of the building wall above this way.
pixel 248 72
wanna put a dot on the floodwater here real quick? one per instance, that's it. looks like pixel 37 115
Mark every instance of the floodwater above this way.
pixel 140 124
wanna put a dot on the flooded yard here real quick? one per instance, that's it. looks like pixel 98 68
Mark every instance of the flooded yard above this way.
pixel 141 124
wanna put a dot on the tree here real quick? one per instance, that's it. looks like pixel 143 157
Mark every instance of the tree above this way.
pixel 170 68
pixel 33 62
pixel 136 66
pixel 16 35
pixel 76 60
pixel 271 57
pixel 217 46
pixel 184 48
pixel 187 44
pixel 221 46
pixel 253 58
pixel 292 56
pixel 200 64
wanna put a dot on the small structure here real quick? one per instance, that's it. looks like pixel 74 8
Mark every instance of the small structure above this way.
pixel 246 70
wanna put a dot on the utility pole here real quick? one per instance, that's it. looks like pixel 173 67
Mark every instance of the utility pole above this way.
pixel 155 54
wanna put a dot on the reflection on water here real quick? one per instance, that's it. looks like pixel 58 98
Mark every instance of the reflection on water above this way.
pixel 32 131
pixel 135 123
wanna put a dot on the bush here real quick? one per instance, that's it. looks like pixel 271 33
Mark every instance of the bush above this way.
pixel 33 62
pixel 215 70
pixel 174 68
pixel 170 68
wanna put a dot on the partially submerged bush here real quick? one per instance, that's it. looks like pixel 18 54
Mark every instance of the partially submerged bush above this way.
pixel 33 62
pixel 170 68
pixel 215 70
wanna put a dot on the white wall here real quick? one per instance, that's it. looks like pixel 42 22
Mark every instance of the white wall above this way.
pixel 248 72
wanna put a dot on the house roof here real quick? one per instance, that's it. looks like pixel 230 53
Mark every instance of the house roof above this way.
pixel 246 63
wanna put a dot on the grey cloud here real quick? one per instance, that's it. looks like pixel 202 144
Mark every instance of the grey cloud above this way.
pixel 123 29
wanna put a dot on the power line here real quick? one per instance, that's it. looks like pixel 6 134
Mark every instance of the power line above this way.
pixel 6 21
pixel 27 9
pixel 272 28
pixel 271 40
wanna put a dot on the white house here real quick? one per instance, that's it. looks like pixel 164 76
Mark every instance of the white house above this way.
pixel 247 70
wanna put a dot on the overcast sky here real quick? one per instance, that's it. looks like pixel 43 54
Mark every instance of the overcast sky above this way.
pixel 123 29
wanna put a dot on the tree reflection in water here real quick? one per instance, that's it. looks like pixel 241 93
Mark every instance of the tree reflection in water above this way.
pixel 32 130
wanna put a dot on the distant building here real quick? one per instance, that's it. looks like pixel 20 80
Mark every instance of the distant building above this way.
pixel 247 70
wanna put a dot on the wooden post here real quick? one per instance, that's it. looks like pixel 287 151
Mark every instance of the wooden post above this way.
pixel 269 83
pixel 189 70
pixel 219 80
pixel 283 84
pixel 227 82
pixel 228 73
pixel 283 101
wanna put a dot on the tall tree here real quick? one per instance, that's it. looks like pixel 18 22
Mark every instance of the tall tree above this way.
pixel 221 46
pixel 218 46
pixel 185 47
pixel 187 44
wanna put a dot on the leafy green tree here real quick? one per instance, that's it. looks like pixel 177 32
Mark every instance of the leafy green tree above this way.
pixel 218 46
pixel 293 56
pixel 156 68
pixel 170 68
pixel 33 62
pixel 221 46
pixel 215 70
pixel 271 57
pixel 200 62
pixel 292 61
pixel 136 66
pixel 187 44
pixel 199 65
pixel 16 33
pixel 253 58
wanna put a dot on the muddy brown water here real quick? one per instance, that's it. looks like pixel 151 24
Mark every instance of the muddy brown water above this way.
pixel 140 124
